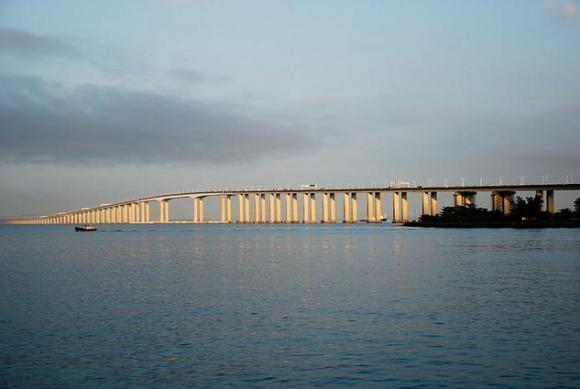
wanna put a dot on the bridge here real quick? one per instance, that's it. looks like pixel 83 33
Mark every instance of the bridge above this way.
pixel 266 206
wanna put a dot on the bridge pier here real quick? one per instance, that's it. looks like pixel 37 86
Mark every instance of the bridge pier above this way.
pixel 278 201
pixel 328 207
pixel 404 207
pixel 396 207
pixel 425 204
pixel 312 208
pixel 271 208
pixel 370 208
pixel 550 201
pixel 257 208
pixel 294 208
pixel 502 201
pixel 374 207
pixel 305 208
pixel 262 208
pixel 225 208
pixel 346 215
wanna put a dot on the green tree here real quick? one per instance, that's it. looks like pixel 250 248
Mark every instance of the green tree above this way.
pixel 577 206
pixel 529 208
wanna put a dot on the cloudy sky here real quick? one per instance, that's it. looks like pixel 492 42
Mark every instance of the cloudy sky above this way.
pixel 105 100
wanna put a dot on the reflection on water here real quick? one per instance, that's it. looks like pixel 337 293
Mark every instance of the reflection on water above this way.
pixel 292 305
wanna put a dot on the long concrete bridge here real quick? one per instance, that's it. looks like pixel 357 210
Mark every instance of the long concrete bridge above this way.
pixel 266 206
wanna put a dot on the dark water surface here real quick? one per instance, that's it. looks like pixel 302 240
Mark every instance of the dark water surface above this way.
pixel 213 305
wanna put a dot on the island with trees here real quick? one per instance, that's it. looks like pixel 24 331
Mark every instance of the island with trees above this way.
pixel 525 213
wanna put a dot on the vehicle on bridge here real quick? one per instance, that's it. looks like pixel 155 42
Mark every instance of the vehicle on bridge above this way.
pixel 400 184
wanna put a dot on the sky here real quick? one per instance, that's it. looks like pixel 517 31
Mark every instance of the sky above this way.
pixel 101 101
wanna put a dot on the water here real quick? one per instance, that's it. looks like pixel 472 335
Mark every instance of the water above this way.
pixel 215 305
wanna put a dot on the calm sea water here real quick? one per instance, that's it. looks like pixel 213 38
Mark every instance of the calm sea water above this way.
pixel 213 305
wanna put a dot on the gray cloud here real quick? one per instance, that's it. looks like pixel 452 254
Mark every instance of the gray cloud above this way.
pixel 23 43
pixel 194 77
pixel 45 122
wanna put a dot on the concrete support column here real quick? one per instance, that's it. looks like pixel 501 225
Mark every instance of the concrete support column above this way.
pixel 241 208
pixel 332 201
pixel 434 205
pixel 404 207
pixel 425 204
pixel 257 208
pixel 457 199
pixel 246 208
pixel 200 216
pixel 229 208
pixel 465 199
pixel 325 207
pixel 370 208
pixel 263 208
pixel 294 207
pixel 222 208
pixel 161 211
pixel 378 208
pixel 271 208
pixel 346 217
pixel 506 203
pixel 550 201
pixel 288 207
pixel 495 201
pixel 396 207
pixel 305 208
pixel 502 201
pixel 312 208
pixel 198 209
pixel 278 208
pixel 354 208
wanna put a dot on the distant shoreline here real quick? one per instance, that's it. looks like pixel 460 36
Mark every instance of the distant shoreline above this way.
pixel 518 225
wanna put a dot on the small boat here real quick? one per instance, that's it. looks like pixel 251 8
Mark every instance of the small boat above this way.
pixel 85 228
